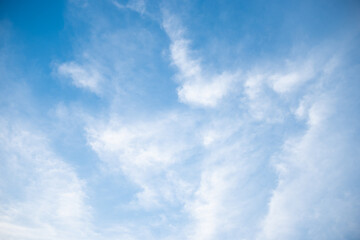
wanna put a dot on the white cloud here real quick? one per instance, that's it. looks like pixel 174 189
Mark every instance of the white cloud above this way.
pixel 196 88
pixel 206 93
pixel 145 152
pixel 208 209
pixel 314 198
pixel 135 5
pixel 82 76
pixel 209 184
pixel 297 74
pixel 42 197
pixel 271 92
pixel 258 100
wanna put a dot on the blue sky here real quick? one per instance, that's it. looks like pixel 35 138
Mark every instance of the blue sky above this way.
pixel 197 120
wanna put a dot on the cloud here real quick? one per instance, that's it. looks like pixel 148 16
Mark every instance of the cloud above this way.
pixel 42 195
pixel 86 77
pixel 315 191
pixel 112 60
pixel 197 87
pixel 175 169
pixel 273 91
pixel 296 75
pixel 208 208
pixel 135 5
pixel 146 151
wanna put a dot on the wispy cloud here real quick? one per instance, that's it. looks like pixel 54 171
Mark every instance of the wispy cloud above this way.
pixel 146 153
pixel 313 191
pixel 197 87
pixel 135 5
pixel 44 196
pixel 86 77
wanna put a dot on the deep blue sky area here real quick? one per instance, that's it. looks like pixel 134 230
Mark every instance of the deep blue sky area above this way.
pixel 38 24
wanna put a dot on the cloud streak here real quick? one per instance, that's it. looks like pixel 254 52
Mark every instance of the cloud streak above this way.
pixel 196 87
pixel 88 78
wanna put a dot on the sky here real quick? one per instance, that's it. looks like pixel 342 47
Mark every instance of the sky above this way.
pixel 173 120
